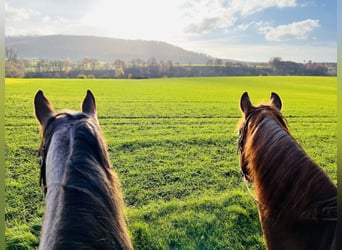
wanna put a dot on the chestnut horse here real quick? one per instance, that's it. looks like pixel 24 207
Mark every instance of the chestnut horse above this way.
pixel 296 200
pixel 84 204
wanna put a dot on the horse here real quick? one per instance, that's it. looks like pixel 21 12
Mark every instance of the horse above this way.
pixel 84 204
pixel 296 200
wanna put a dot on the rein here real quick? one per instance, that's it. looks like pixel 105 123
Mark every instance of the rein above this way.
pixel 47 136
pixel 248 189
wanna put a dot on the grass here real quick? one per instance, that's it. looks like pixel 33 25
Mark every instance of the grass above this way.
pixel 173 145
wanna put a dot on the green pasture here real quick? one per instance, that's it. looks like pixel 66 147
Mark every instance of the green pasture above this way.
pixel 173 144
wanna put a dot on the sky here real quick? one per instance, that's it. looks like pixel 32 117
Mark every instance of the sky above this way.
pixel 246 30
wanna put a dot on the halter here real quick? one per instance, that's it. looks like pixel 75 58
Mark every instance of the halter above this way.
pixel 47 136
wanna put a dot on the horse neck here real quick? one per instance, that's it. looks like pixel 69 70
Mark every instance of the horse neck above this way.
pixel 288 186
pixel 82 192
pixel 286 179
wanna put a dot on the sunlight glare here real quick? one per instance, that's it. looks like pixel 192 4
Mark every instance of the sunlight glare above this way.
pixel 132 19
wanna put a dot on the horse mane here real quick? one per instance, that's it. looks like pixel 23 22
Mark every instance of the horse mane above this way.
pixel 288 183
pixel 93 203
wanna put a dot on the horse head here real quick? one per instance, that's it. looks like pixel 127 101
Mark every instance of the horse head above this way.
pixel 249 111
pixel 84 204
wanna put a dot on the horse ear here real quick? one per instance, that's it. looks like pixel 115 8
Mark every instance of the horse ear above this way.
pixel 275 100
pixel 89 105
pixel 43 108
pixel 245 103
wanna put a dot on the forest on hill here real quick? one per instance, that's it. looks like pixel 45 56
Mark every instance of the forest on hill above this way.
pixel 93 57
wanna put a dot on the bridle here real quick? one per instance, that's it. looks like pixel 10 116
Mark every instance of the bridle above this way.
pixel 242 139
pixel 48 132
pixel 241 144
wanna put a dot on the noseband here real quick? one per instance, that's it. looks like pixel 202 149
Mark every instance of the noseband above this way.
pixel 48 132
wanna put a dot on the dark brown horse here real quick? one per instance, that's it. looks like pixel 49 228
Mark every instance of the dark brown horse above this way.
pixel 295 198
pixel 84 204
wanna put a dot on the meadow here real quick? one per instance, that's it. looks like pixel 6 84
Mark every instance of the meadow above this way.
pixel 173 143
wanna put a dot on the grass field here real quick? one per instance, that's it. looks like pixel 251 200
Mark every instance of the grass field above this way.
pixel 173 145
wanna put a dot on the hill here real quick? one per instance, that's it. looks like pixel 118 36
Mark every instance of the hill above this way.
pixel 59 47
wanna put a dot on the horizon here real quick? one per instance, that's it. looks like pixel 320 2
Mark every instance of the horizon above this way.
pixel 249 31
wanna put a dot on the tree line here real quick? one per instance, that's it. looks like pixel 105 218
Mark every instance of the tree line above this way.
pixel 153 68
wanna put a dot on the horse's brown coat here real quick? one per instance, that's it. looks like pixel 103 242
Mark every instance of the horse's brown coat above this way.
pixel 289 186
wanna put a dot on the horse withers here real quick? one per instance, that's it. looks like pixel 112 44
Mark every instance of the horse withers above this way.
pixel 84 204
pixel 296 200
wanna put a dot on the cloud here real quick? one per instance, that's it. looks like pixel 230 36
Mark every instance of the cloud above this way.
pixel 19 14
pixel 205 25
pixel 204 16
pixel 28 22
pixel 249 7
pixel 293 31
